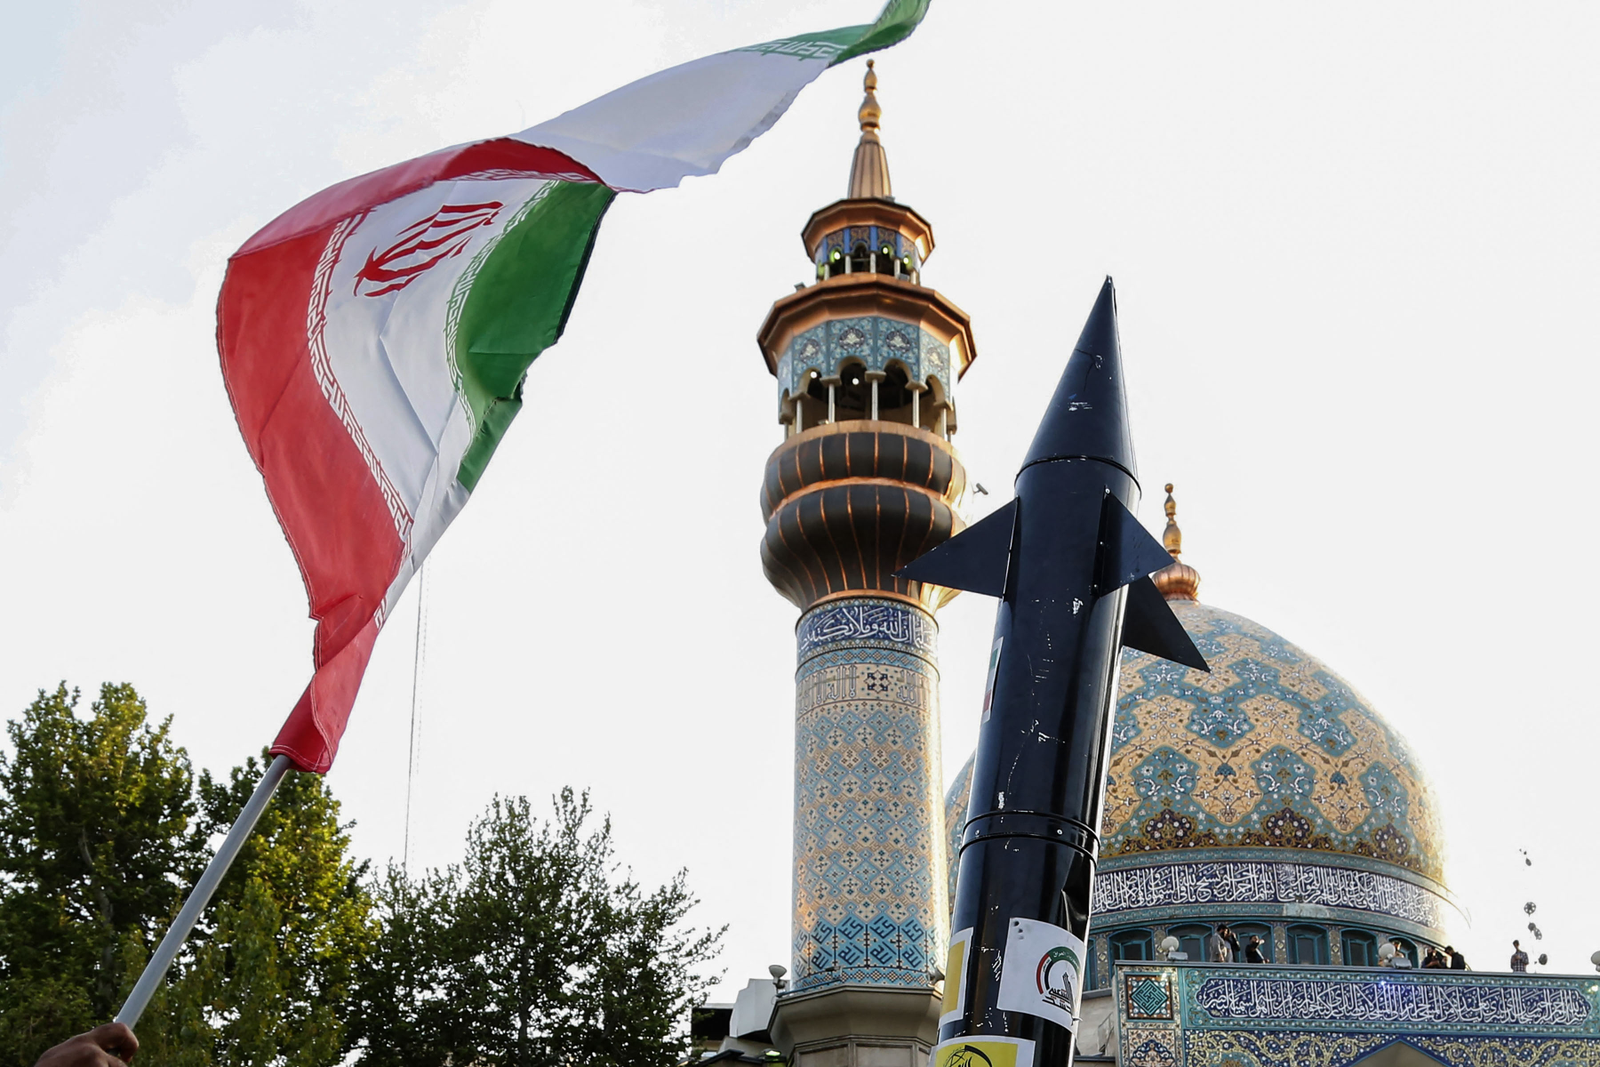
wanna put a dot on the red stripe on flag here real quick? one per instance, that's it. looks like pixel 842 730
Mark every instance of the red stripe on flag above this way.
pixel 310 736
pixel 503 154
pixel 333 513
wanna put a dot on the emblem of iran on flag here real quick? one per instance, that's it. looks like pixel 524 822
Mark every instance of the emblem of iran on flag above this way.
pixel 375 338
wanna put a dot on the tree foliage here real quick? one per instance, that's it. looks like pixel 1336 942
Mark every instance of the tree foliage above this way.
pixel 226 998
pixel 94 855
pixel 267 977
pixel 402 1013
pixel 103 830
pixel 536 950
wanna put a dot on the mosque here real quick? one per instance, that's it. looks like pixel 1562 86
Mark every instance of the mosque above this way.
pixel 1267 795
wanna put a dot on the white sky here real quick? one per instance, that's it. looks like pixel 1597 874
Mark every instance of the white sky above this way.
pixel 1356 250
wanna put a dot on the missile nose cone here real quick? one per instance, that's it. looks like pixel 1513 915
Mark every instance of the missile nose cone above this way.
pixel 1088 415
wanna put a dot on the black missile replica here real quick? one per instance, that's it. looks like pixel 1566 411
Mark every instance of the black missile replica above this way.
pixel 1071 567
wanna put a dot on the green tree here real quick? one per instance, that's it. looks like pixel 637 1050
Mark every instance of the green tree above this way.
pixel 402 1014
pixel 268 977
pixel 634 1006
pixel 225 1000
pixel 536 951
pixel 95 852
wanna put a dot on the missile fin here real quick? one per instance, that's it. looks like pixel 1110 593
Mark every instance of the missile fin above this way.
pixel 1150 626
pixel 974 559
pixel 1127 551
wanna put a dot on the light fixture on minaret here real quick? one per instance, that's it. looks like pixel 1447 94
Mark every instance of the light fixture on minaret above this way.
pixel 866 480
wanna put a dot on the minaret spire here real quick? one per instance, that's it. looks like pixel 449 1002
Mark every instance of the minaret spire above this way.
pixel 869 170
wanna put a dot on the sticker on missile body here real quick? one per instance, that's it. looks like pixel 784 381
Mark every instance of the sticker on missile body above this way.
pixel 981 1050
pixel 955 977
pixel 1042 972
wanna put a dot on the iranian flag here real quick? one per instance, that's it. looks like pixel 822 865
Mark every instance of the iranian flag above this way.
pixel 376 337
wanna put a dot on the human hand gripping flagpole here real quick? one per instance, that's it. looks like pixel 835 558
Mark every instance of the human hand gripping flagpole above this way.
pixel 369 441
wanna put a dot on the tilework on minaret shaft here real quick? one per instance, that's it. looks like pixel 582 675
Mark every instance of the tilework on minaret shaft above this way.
pixel 869 886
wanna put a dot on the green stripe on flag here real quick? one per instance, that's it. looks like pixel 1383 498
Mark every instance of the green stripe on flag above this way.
pixel 517 307
pixel 824 44
pixel 895 23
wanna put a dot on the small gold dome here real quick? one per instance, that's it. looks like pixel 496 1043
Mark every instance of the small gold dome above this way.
pixel 1179 581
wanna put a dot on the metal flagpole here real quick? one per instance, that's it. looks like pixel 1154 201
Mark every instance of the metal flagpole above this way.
pixel 200 896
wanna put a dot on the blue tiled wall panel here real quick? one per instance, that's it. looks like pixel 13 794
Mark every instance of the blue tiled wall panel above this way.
pixel 869 865
pixel 873 340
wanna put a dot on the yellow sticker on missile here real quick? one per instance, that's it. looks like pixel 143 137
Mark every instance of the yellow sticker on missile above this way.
pixel 955 977
pixel 982 1051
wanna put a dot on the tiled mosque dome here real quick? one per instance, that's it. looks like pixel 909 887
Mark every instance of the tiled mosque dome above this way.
pixel 1271 749
pixel 1270 757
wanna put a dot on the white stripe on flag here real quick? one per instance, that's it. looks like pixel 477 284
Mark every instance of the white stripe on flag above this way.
pixel 679 122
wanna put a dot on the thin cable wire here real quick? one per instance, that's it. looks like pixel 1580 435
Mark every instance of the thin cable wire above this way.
pixel 418 652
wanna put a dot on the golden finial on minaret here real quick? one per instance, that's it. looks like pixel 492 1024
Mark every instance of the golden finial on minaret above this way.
pixel 870 112
pixel 869 170
pixel 1172 537
pixel 1179 581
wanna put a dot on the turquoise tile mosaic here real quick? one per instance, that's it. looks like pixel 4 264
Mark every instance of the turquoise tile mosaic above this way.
pixel 872 340
pixel 869 904
pixel 1272 749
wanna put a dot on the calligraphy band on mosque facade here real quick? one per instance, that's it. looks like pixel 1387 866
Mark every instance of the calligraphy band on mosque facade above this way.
pixel 1196 1014
pixel 1478 1006
pixel 1171 886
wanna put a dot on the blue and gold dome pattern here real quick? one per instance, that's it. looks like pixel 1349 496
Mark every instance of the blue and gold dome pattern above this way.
pixel 1270 750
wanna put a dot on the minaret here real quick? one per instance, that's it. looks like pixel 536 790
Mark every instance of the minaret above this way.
pixel 865 481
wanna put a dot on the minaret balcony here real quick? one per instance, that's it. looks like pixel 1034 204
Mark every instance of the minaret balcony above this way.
pixel 848 296
pixel 865 346
pixel 849 503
